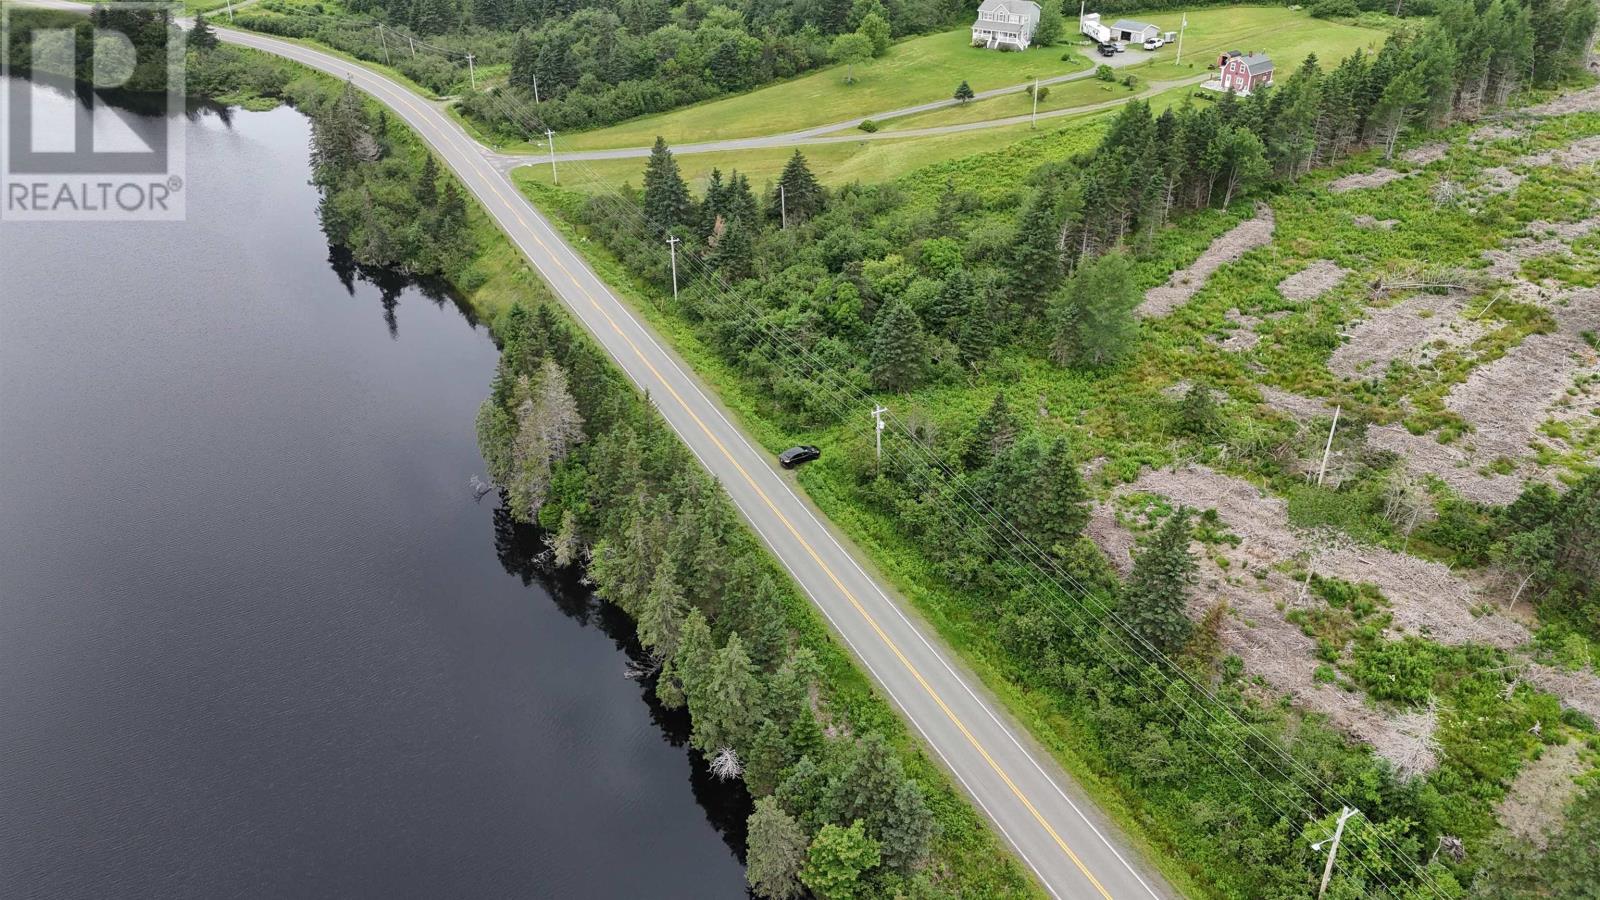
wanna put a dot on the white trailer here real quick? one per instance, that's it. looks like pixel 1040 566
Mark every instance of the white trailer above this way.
pixel 1089 25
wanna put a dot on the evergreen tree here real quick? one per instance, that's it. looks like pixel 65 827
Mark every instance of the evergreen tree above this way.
pixel 434 16
pixel 768 757
pixel 428 183
pixel 524 62
pixel 725 716
pixel 492 14
pixel 1094 321
pixel 864 787
pixel 993 435
pixel 951 304
pixel 804 794
pixel 667 205
pixel 776 850
pixel 202 36
pixel 1197 413
pixel 1035 260
pixel 976 339
pixel 964 92
pixel 802 196
pixel 1154 599
pixel 1050 25
pixel 907 828
pixel 712 212
pixel 898 352
pixel 739 202
pixel 661 616
pixel 1037 488
pixel 686 672
pixel 837 860
pixel 734 253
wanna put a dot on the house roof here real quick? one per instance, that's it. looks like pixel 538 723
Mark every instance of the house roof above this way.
pixel 1025 8
pixel 1255 63
pixel 1131 25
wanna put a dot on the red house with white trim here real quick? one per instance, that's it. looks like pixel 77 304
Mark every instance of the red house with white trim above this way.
pixel 1242 73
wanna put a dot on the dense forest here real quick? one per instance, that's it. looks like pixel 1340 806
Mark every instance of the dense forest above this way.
pixel 574 65
pixel 823 299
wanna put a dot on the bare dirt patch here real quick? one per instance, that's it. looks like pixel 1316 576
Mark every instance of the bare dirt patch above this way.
pixel 1423 455
pixel 1298 406
pixel 1532 809
pixel 1499 180
pixel 1578 690
pixel 1566 231
pixel 1313 281
pixel 1487 133
pixel 1427 153
pixel 1185 283
pixel 1587 100
pixel 1243 336
pixel 1361 180
pixel 1408 330
pixel 1258 590
pixel 1371 223
pixel 1506 400
pixel 1581 152
pixel 1425 598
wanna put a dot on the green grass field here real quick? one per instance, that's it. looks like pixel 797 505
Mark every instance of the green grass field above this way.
pixel 919 70
pixel 1286 35
pixel 866 161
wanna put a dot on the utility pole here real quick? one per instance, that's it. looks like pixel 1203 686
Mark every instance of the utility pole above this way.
pixel 1329 448
pixel 783 204
pixel 385 44
pixel 672 244
pixel 551 137
pixel 1180 37
pixel 413 44
pixel 472 72
pixel 230 12
pixel 1035 103
pixel 1345 812
pixel 535 90
pixel 877 418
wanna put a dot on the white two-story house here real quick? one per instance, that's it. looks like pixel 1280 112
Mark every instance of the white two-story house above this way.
pixel 1005 24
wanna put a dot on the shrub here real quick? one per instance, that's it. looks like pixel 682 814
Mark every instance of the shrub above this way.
pixel 868 126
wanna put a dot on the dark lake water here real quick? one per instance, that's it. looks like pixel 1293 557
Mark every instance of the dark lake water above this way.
pixel 256 637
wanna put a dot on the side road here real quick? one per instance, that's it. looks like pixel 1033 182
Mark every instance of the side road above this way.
pixel 1066 843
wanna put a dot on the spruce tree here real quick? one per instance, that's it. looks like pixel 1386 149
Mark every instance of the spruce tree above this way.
pixel 734 254
pixel 428 183
pixel 1155 597
pixel 1035 259
pixel 1197 413
pixel 667 205
pixel 712 212
pixel 1094 321
pixel 964 92
pixel 994 433
pixel 727 711
pixel 524 62
pixel 1037 488
pixel 776 852
pixel 662 614
pixel 898 353
pixel 951 304
pixel 976 338
pixel 766 760
pixel 802 195
pixel 907 828
pixel 202 36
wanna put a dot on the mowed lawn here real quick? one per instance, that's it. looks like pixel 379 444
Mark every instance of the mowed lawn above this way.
pixel 919 70
pixel 866 161
pixel 1285 35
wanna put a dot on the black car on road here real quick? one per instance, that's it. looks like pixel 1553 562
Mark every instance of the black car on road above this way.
pixel 794 456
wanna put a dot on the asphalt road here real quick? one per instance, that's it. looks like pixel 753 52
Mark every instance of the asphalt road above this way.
pixel 1030 801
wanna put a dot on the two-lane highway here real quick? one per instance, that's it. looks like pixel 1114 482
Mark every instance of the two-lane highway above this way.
pixel 1025 795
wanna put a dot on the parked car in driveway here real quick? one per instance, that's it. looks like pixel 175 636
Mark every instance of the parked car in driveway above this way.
pixel 794 456
pixel 1107 50
pixel 1121 46
pixel 1154 43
